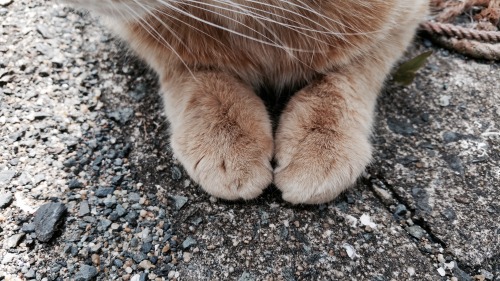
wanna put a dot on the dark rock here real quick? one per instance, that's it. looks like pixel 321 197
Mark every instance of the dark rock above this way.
pixel 86 273
pixel 287 274
pixel 450 137
pixel 153 259
pixel 461 275
pixel 400 211
pixel 47 218
pixel 146 247
pixel 454 162
pixel 74 183
pixel 5 199
pixel 400 126
pixel 116 180
pixel 134 242
pixel 118 263
pixel 104 191
pixel 449 214
pixel 28 228
pixel 138 257
pixel 422 200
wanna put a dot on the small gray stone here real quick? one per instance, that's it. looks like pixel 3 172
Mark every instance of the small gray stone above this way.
pixel 120 211
pixel 47 218
pixel 400 210
pixel 84 209
pixel 134 197
pixel 264 218
pixel 74 183
pixel 176 173
pixel 461 275
pixel 86 273
pixel 103 224
pixel 104 191
pixel 44 31
pixel 6 176
pixel 28 228
pixel 122 115
pixel 13 241
pixel 188 242
pixel 246 277
pixel 180 201
pixel 138 257
pixel 400 126
pixel 30 274
pixel 415 231
pixel 5 199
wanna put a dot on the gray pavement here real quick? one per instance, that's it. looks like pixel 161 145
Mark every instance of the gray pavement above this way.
pixel 81 124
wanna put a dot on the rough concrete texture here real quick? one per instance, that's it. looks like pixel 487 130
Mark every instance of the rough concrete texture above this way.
pixel 81 124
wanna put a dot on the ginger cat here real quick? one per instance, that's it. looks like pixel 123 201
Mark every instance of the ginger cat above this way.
pixel 213 56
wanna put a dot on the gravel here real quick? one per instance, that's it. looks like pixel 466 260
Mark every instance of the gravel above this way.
pixel 94 191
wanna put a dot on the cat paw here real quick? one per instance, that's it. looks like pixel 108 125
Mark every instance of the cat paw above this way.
pixel 225 143
pixel 318 153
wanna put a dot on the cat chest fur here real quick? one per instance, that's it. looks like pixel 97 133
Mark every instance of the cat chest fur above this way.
pixel 279 47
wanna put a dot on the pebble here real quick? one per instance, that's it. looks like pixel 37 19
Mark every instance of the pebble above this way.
pixel 146 264
pixel 488 275
pixel 6 176
pixel 84 208
pixel 104 191
pixel 188 243
pixel 179 201
pixel 187 256
pixel 461 275
pixel 74 183
pixel 415 231
pixel 246 276
pixel 47 218
pixel 96 259
pixel 5 199
pixel 86 273
pixel 14 240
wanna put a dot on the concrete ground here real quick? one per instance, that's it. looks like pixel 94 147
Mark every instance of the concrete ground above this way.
pixel 81 124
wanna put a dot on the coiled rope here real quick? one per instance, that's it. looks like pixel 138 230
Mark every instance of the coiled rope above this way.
pixel 484 44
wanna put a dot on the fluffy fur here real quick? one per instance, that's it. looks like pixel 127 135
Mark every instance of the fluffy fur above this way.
pixel 212 56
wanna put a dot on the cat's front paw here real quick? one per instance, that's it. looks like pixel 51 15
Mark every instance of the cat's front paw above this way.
pixel 224 140
pixel 320 150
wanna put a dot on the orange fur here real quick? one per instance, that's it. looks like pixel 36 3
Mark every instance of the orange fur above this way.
pixel 211 56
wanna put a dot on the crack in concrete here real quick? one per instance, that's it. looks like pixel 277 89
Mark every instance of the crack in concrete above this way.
pixel 376 181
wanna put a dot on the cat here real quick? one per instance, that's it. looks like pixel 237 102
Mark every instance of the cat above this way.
pixel 213 56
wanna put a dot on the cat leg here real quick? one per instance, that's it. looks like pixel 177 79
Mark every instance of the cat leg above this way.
pixel 322 141
pixel 221 133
